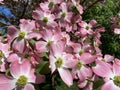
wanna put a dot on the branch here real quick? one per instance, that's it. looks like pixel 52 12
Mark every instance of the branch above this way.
pixel 92 4
pixel 24 10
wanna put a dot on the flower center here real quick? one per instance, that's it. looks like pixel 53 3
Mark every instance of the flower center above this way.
pixel 51 4
pixel 87 27
pixel 22 80
pixel 81 51
pixel 59 62
pixel 48 43
pixel 117 80
pixel 22 35
pixel 77 3
pixel 45 19
pixel 118 23
pixel 79 65
pixel 63 14
pixel 1 54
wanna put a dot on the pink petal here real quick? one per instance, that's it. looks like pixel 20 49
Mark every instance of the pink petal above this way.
pixel 29 87
pixel 19 45
pixel 41 46
pixel 66 76
pixel 83 31
pixel 87 58
pixel 80 9
pixel 110 86
pixel 12 31
pixel 31 75
pixel 102 69
pixel 17 68
pixel 57 48
pixel 27 25
pixel 34 35
pixel 52 63
pixel 93 23
pixel 13 57
pixel 116 67
pixel 117 31
pixel 6 83
pixel 82 84
pixel 108 58
pixel 69 61
pixel 84 73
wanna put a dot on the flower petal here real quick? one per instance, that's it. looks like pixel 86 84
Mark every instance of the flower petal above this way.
pixel 116 67
pixel 17 68
pixel 84 73
pixel 66 76
pixel 6 83
pixel 87 58
pixel 29 87
pixel 110 86
pixel 102 69
pixel 19 45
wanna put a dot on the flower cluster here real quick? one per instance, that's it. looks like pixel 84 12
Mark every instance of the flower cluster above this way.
pixel 70 44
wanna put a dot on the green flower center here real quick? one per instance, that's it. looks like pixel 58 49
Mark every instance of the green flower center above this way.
pixel 45 19
pixel 87 27
pixel 77 4
pixel 118 23
pixel 117 80
pixel 1 62
pixel 22 35
pixel 81 51
pixel 22 81
pixel 103 59
pixel 79 65
pixel 51 4
pixel 1 54
pixel 59 62
pixel 48 43
pixel 63 14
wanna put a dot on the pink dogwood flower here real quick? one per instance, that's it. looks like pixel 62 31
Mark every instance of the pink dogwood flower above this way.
pixel 85 28
pixel 82 71
pixel 48 37
pixel 25 33
pixel 76 3
pixel 22 77
pixel 45 17
pixel 61 61
pixel 64 13
pixel 49 5
pixel 110 73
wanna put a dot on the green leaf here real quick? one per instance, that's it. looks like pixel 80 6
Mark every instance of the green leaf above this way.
pixel 44 54
pixel 97 84
pixel 62 86
pixel 43 67
pixel 32 42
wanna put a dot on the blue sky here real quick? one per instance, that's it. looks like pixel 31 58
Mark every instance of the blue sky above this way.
pixel 5 11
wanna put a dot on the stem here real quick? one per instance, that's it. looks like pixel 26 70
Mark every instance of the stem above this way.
pixel 53 80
